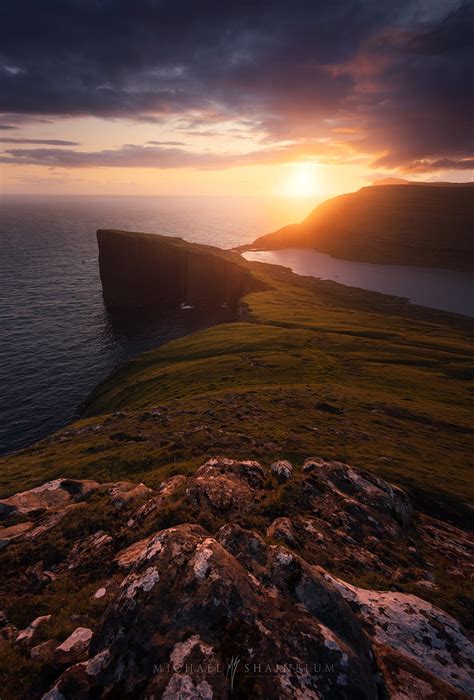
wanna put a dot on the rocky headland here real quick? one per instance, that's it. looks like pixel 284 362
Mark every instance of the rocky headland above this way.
pixel 276 507
pixel 144 270
pixel 424 224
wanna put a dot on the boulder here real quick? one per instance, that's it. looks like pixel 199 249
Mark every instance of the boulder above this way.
pixel 164 494
pixel 282 469
pixel 37 578
pixel 83 552
pixel 364 488
pixel 352 518
pixel 10 534
pixel 126 558
pixel 456 545
pixel 125 493
pixel 75 648
pixel 224 484
pixel 416 629
pixel 52 495
pixel 43 653
pixel 282 529
pixel 404 678
pixel 28 636
pixel 188 603
pixel 250 472
pixel 277 567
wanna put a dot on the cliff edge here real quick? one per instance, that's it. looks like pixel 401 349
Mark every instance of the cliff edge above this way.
pixel 143 270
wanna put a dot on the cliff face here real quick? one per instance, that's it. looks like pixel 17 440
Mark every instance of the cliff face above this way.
pixel 430 225
pixel 143 270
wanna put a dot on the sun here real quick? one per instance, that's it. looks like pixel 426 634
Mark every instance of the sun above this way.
pixel 301 181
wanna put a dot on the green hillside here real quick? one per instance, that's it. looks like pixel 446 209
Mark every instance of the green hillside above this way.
pixel 310 368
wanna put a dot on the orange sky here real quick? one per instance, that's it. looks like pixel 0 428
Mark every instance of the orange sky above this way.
pixel 292 176
pixel 268 99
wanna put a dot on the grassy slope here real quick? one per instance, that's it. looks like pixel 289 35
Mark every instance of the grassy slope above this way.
pixel 251 389
pixel 400 376
pixel 427 225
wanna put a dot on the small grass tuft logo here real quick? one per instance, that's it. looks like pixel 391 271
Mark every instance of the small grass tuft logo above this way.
pixel 232 667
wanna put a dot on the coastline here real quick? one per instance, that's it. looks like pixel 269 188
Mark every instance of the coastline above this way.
pixel 289 447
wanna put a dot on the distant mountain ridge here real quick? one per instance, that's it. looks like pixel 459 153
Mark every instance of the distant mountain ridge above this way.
pixel 406 224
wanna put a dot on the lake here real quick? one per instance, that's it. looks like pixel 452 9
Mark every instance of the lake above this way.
pixel 436 288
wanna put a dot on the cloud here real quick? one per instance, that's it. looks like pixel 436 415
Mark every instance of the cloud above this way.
pixel 426 166
pixel 7 127
pixel 166 143
pixel 137 156
pixel 45 142
pixel 396 75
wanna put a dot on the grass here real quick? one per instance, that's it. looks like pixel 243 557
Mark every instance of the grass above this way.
pixel 398 374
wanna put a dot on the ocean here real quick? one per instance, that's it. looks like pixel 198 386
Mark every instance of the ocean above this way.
pixel 57 341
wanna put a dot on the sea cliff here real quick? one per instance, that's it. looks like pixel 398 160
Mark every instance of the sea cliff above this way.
pixel 291 488
pixel 146 270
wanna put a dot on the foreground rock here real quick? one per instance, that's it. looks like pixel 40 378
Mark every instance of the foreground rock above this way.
pixel 417 630
pixel 282 469
pixel 226 485
pixel 185 581
pixel 259 590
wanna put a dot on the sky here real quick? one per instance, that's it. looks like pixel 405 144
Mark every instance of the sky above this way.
pixel 291 98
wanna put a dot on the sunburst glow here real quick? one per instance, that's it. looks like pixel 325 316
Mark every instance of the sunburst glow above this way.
pixel 302 180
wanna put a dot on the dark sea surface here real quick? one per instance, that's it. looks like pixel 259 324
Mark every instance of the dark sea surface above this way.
pixel 57 341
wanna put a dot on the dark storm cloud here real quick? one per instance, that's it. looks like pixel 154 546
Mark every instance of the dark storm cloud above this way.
pixel 427 96
pixel 397 72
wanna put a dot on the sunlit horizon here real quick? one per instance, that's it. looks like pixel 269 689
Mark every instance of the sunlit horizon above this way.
pixel 291 108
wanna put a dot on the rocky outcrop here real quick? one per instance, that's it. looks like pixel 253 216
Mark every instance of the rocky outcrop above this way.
pixel 42 508
pixel 226 485
pixel 75 646
pixel 53 495
pixel 144 270
pixel 412 627
pixel 254 602
pixel 187 601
